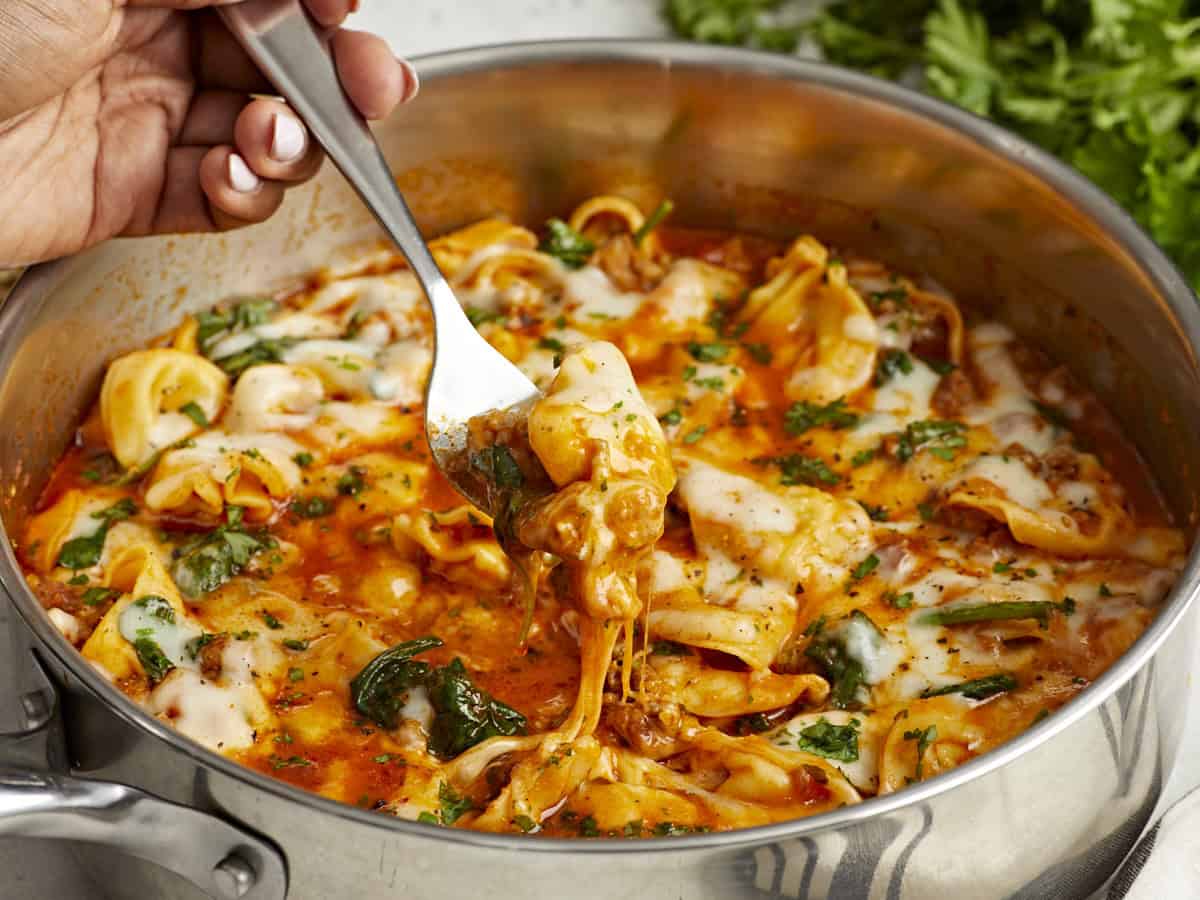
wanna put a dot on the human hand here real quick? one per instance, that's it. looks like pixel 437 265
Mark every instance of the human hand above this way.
pixel 134 117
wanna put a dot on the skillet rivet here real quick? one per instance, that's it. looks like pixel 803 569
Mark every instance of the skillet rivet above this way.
pixel 233 876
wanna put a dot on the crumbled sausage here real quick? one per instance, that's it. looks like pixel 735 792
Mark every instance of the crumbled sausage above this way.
pixel 953 395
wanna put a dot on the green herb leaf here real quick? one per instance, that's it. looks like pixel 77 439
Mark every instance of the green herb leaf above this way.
pixel 353 482
pixel 153 660
pixel 802 416
pixel 478 316
pixel 796 468
pixel 890 363
pixel 924 739
pixel 206 562
pixel 311 507
pixel 941 438
pixel 977 688
pixel 695 434
pixel 712 352
pixel 823 738
pixel 464 714
pixel 498 465
pixel 655 219
pixel 381 689
pixel 990 612
pixel 566 244
pixel 195 413
pixel 84 552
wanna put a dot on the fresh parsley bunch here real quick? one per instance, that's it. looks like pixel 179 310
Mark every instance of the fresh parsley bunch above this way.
pixel 1110 86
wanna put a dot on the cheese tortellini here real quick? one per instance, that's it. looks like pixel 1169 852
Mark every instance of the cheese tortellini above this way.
pixel 153 398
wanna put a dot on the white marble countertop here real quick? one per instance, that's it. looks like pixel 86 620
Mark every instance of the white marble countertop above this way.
pixel 33 869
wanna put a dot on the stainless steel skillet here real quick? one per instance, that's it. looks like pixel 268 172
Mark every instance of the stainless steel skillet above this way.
pixel 737 139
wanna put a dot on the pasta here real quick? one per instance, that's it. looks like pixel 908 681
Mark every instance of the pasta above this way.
pixel 785 531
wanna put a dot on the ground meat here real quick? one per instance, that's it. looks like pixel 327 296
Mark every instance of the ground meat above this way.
pixel 642 731
pixel 931 338
pixel 626 266
pixel 953 395
pixel 1062 464
pixel 56 595
pixel 1026 456
pixel 210 656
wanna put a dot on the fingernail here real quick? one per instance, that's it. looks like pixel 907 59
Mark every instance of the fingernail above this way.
pixel 287 139
pixel 241 179
pixel 412 84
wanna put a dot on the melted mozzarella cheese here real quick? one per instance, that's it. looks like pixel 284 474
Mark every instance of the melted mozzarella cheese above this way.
pixel 862 772
pixel 733 500
pixel 591 295
pixel 68 626
pixel 153 618
pixel 208 713
pixel 1012 476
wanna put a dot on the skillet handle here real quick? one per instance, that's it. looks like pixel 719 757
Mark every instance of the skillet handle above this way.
pixel 219 858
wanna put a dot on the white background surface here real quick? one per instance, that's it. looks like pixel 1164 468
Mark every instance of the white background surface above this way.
pixel 35 870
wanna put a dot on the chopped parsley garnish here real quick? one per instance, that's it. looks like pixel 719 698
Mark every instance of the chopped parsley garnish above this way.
pixel 552 344
pixel 941 438
pixel 292 762
pixel 477 316
pixel 760 353
pixel 713 352
pixel 250 313
pixel 453 805
pixel 671 417
pixel 796 468
pixel 273 623
pixel 1053 415
pixel 97 596
pixel 890 363
pixel 295 644
pixel 295 673
pixel 1000 568
pixel 864 568
pixel 875 513
pixel 862 457
pixel 831 651
pixel 900 601
pixel 195 413
pixel 924 739
pixel 566 244
pixel 353 482
pixel 84 552
pixel 268 350
pixel 927 511
pixel 897 295
pixel 303 459
pixel 823 738
pixel 525 824
pixel 669 648
pixel 802 416
pixel 977 688
pixel 940 366
pixel 695 434
pixel 311 507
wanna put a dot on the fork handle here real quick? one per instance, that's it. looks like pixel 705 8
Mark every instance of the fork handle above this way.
pixel 287 46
